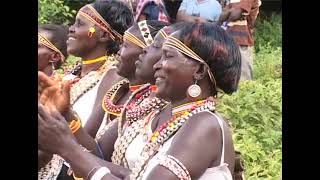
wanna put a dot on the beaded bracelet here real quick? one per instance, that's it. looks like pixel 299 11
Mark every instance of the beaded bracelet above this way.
pixel 75 177
pixel 75 125
pixel 92 171
pixel 175 166
pixel 100 173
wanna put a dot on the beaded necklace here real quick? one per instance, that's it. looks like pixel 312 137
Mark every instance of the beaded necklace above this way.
pixel 107 102
pixel 89 81
pixel 165 131
pixel 140 109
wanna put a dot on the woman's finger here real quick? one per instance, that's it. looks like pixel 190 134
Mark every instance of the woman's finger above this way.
pixel 43 112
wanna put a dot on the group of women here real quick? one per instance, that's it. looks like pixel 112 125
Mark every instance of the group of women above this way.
pixel 142 103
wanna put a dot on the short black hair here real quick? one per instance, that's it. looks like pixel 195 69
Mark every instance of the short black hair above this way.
pixel 215 46
pixel 118 16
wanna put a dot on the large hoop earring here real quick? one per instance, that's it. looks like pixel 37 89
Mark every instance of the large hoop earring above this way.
pixel 194 90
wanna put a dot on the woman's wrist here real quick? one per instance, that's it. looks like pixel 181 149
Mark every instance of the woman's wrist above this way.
pixel 70 115
pixel 69 151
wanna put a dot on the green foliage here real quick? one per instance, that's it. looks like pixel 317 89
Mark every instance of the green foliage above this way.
pixel 268 64
pixel 268 31
pixel 68 65
pixel 55 12
pixel 255 110
pixel 255 114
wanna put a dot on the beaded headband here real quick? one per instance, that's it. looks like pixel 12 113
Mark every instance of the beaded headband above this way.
pixel 93 16
pixel 145 32
pixel 132 38
pixel 44 41
pixel 178 45
pixel 163 33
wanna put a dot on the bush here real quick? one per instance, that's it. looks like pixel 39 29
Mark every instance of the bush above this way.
pixel 267 64
pixel 54 12
pixel 255 116
pixel 268 31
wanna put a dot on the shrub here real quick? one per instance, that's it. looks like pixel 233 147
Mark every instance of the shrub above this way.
pixel 255 116
pixel 54 12
pixel 268 31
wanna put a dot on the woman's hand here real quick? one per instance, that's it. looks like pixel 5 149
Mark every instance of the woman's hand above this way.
pixel 54 94
pixel 54 134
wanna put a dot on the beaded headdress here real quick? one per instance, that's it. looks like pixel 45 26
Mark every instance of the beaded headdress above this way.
pixel 44 41
pixel 145 32
pixel 93 16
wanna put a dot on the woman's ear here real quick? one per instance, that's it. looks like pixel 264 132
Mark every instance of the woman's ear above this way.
pixel 200 72
pixel 104 36
pixel 55 57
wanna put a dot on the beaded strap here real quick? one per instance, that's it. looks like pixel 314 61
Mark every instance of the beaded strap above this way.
pixel 175 166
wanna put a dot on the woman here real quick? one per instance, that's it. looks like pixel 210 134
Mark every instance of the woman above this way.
pixel 95 37
pixel 168 147
pixel 133 43
pixel 52 48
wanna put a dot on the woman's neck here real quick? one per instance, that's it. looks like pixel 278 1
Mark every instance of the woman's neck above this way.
pixel 48 71
pixel 86 68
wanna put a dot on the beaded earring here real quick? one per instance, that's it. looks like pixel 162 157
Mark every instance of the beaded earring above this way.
pixel 92 30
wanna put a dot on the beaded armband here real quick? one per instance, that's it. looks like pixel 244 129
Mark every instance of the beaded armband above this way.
pixel 175 166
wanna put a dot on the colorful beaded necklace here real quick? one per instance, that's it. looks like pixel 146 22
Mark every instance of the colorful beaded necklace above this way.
pixel 107 102
pixel 166 130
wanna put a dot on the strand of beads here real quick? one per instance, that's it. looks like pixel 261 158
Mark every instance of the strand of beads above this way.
pixel 163 133
pixel 107 103
pixel 149 105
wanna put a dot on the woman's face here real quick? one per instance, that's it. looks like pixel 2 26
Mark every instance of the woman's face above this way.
pixel 174 73
pixel 127 56
pixel 44 53
pixel 151 55
pixel 79 43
